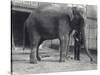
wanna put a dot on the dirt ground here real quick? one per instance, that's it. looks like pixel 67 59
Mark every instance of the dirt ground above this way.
pixel 49 62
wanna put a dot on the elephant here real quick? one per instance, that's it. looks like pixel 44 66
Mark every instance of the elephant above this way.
pixel 50 23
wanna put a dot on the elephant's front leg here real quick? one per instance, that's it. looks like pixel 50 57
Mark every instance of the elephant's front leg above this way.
pixel 63 48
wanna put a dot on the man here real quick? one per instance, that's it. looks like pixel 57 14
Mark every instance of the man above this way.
pixel 77 24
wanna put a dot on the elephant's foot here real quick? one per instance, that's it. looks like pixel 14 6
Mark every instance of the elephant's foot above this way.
pixel 33 61
pixel 91 59
pixel 62 59
pixel 39 58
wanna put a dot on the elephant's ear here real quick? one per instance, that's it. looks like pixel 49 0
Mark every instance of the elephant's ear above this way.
pixel 70 12
pixel 80 9
pixel 83 12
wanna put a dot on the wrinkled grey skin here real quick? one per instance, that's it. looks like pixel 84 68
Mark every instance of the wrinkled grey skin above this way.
pixel 50 23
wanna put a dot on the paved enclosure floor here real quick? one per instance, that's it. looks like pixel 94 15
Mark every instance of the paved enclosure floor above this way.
pixel 49 63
